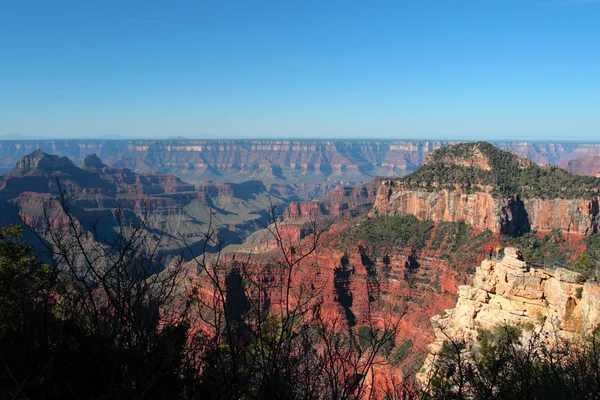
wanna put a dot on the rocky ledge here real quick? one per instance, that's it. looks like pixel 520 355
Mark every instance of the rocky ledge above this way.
pixel 508 291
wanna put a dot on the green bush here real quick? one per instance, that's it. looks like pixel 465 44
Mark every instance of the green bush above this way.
pixel 585 265
pixel 401 231
pixel 401 352
pixel 369 337
pixel 453 235
pixel 503 366
pixel 550 251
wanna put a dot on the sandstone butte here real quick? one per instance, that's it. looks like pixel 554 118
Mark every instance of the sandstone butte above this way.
pixel 481 206
pixel 510 292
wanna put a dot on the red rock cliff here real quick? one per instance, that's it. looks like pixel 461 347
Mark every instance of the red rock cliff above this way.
pixel 484 211
pixel 345 201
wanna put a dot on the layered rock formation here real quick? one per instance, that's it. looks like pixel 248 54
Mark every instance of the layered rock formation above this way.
pixel 98 193
pixel 494 190
pixel 343 201
pixel 360 281
pixel 485 211
pixel 586 165
pixel 478 209
pixel 306 168
pixel 509 292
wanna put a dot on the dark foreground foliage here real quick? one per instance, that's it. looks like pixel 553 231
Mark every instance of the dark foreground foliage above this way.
pixel 103 323
pixel 506 364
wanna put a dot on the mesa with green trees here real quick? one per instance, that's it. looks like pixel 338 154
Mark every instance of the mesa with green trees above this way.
pixel 508 174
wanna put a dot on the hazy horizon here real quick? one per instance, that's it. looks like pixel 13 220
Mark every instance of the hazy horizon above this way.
pixel 334 139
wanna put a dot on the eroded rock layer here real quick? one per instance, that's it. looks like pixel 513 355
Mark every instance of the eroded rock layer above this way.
pixel 589 164
pixel 102 197
pixel 300 167
pixel 485 211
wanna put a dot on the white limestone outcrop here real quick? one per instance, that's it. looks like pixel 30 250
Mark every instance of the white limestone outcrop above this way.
pixel 556 303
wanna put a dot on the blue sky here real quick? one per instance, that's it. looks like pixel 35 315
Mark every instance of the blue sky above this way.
pixel 456 69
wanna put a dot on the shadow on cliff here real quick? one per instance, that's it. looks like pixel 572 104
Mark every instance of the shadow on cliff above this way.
pixel 595 213
pixel 342 288
pixel 515 219
pixel 237 304
pixel 373 288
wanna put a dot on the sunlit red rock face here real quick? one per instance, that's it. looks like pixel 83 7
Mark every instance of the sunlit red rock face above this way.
pixel 484 211
pixel 343 201
pixel 296 223
pixel 357 285
pixel 586 165
pixel 576 216
pixel 473 192
pixel 478 209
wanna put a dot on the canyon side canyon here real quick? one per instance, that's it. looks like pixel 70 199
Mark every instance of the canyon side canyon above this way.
pixel 407 223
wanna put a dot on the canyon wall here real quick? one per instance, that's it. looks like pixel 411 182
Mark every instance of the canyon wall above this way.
pixel 236 160
pixel 589 164
pixel 485 211
pixel 99 195
pixel 344 161
pixel 343 201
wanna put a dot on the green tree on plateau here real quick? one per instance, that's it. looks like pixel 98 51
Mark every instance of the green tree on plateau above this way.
pixel 508 174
